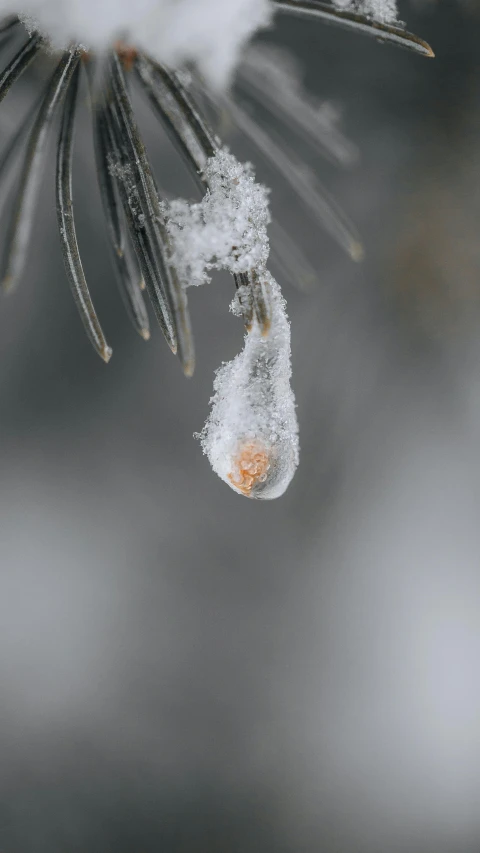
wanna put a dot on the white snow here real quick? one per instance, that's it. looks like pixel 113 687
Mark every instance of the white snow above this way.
pixel 210 33
pixel 384 11
pixel 227 229
pixel 251 434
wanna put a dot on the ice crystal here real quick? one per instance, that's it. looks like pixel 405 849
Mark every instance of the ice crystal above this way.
pixel 384 11
pixel 227 229
pixel 251 434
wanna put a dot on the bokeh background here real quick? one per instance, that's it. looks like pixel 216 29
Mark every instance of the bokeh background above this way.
pixel 182 669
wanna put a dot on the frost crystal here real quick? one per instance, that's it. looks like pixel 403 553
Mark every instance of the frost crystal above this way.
pixel 384 11
pixel 210 33
pixel 251 435
pixel 227 229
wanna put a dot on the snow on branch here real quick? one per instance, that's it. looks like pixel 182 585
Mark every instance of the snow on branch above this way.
pixel 251 434
pixel 384 11
pixel 227 229
pixel 210 33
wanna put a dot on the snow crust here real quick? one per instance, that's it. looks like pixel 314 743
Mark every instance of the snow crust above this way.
pixel 210 33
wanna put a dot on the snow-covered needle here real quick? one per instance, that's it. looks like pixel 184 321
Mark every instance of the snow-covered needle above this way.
pixel 376 21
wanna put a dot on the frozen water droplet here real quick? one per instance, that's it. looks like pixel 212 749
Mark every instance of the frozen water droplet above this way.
pixel 251 435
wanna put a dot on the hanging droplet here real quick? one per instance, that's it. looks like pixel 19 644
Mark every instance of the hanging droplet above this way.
pixel 251 435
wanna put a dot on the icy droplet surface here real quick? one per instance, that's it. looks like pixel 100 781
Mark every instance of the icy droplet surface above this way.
pixel 251 434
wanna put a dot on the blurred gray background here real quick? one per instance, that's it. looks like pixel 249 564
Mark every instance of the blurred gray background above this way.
pixel 182 669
